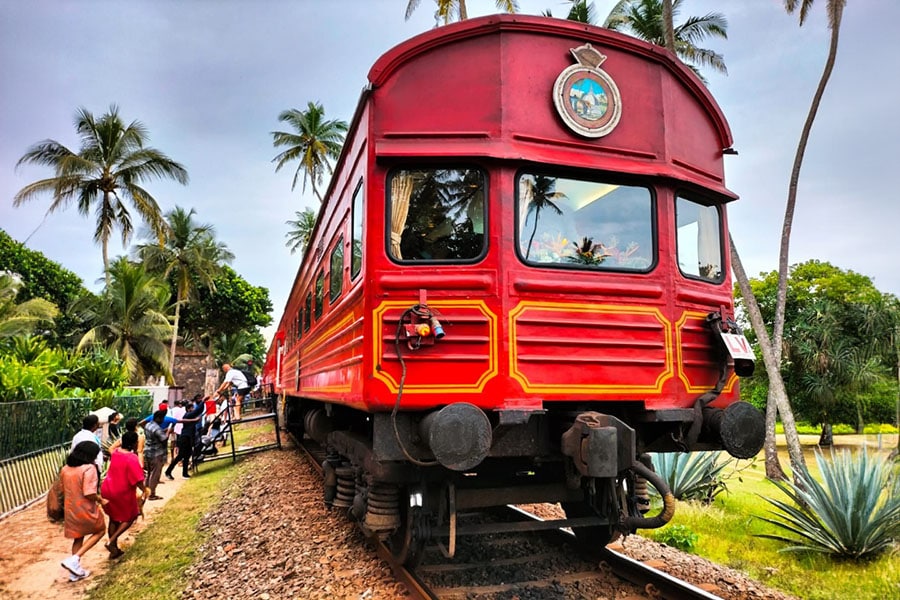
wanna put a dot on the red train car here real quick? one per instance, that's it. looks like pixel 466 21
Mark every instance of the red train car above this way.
pixel 518 283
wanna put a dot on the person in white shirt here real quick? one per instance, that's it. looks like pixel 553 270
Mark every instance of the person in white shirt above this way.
pixel 90 432
pixel 234 378
pixel 176 412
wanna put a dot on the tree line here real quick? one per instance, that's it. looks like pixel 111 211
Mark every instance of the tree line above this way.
pixel 176 285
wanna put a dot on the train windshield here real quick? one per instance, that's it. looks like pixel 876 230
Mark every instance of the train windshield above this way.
pixel 699 241
pixel 584 224
pixel 437 215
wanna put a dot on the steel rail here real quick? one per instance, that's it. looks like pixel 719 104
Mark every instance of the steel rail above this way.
pixel 657 584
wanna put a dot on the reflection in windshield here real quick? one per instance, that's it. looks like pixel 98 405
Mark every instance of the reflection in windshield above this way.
pixel 437 214
pixel 584 223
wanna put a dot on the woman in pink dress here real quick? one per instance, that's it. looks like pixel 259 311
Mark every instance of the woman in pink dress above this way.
pixel 124 477
pixel 83 517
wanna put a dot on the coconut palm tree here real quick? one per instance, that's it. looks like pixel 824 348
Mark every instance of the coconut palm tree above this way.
pixel 646 19
pixel 447 9
pixel 190 257
pixel 835 9
pixel 314 142
pixel 25 317
pixel 540 193
pixel 104 176
pixel 581 11
pixel 300 230
pixel 131 319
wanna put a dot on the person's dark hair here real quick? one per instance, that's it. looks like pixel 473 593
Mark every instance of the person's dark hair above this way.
pixel 113 415
pixel 84 453
pixel 90 422
pixel 159 415
pixel 131 424
pixel 196 397
pixel 130 440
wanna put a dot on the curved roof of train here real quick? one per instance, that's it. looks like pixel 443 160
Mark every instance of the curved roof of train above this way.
pixel 395 58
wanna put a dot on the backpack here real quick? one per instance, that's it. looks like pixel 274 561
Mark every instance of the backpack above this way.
pixel 56 501
pixel 250 377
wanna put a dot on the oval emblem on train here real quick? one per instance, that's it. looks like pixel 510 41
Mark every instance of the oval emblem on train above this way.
pixel 586 97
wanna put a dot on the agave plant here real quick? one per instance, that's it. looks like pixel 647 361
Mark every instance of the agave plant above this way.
pixel 696 476
pixel 854 513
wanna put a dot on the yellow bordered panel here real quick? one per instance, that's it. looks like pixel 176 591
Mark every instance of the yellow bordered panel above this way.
pixel 682 331
pixel 316 346
pixel 634 342
pixel 450 366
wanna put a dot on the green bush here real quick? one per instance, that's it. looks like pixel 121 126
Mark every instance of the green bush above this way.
pixel 854 513
pixel 677 536
pixel 31 370
pixel 20 381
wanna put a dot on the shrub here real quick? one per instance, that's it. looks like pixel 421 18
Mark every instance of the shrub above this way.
pixel 695 476
pixel 854 513
pixel 677 536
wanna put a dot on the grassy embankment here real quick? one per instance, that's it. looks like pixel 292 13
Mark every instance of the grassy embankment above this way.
pixel 728 528
pixel 726 535
pixel 154 566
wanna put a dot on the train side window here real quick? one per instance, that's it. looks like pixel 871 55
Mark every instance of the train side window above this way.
pixel 437 215
pixel 320 294
pixel 584 224
pixel 307 313
pixel 357 228
pixel 336 277
pixel 299 323
pixel 699 240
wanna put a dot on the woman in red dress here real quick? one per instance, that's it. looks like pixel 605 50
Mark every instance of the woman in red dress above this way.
pixel 83 518
pixel 124 477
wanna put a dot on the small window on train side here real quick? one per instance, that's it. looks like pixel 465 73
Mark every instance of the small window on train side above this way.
pixel 336 278
pixel 320 294
pixel 299 323
pixel 437 215
pixel 356 249
pixel 584 224
pixel 307 313
pixel 699 240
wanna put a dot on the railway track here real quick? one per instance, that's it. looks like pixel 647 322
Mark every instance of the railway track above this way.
pixel 523 564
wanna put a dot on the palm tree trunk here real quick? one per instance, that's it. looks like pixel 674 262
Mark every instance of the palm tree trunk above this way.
pixel 463 14
pixel 174 343
pixel 777 392
pixel 104 243
pixel 774 472
pixel 781 298
pixel 668 25
pixel 896 452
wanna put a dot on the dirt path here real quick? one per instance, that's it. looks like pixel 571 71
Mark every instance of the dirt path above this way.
pixel 31 548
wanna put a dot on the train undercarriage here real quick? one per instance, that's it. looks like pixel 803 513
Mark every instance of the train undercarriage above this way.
pixel 405 477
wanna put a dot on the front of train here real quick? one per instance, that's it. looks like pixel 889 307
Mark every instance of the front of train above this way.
pixel 551 299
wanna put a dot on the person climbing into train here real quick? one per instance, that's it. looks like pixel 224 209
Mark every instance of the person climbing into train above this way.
pixel 234 379
pixel 187 431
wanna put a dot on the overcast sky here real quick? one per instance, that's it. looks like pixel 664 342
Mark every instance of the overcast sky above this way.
pixel 208 79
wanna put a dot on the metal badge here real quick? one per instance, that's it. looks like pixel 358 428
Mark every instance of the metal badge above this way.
pixel 586 97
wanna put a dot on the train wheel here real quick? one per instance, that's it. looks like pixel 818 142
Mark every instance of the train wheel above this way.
pixel 407 543
pixel 591 540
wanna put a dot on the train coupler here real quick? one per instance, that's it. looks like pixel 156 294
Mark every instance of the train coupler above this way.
pixel 599 445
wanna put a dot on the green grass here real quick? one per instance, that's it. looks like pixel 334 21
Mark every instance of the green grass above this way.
pixel 154 566
pixel 727 535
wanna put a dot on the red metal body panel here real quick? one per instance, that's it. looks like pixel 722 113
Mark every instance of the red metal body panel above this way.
pixel 479 93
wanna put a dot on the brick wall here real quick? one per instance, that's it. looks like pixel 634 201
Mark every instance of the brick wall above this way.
pixel 190 372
